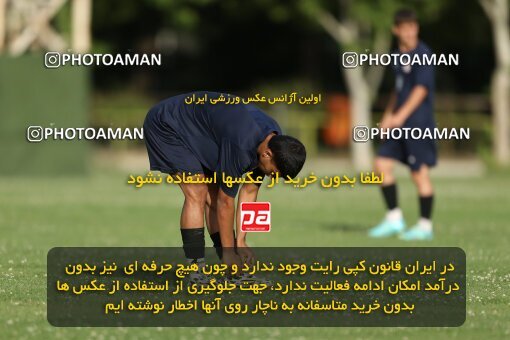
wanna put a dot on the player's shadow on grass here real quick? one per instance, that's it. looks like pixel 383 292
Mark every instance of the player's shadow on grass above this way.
pixel 345 227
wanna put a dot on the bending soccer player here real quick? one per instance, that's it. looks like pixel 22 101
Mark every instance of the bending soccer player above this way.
pixel 230 139
pixel 411 107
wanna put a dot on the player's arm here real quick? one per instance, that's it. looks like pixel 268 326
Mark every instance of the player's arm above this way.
pixel 423 78
pixel 416 97
pixel 390 106
pixel 225 214
pixel 388 112
pixel 247 193
pixel 231 165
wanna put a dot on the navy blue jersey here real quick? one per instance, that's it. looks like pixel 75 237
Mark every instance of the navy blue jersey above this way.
pixel 414 153
pixel 407 77
pixel 221 138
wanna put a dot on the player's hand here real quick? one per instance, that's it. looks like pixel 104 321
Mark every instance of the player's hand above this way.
pixel 386 121
pixel 245 252
pixel 230 258
pixel 397 121
pixel 391 122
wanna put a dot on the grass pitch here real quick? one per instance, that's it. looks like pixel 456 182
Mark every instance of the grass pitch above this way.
pixel 101 210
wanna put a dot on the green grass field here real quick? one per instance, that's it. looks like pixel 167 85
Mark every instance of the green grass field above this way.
pixel 101 210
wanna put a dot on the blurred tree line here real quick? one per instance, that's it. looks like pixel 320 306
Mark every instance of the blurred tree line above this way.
pixel 296 45
pixel 275 47
pixel 239 45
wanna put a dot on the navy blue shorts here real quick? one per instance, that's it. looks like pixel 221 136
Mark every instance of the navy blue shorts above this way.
pixel 167 152
pixel 411 152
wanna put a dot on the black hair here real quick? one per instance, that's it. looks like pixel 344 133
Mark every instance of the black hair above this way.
pixel 404 15
pixel 289 155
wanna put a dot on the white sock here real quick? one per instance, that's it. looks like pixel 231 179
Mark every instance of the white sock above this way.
pixel 425 224
pixel 394 214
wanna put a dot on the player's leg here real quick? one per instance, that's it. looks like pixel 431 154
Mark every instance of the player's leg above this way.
pixel 423 229
pixel 168 154
pixel 211 217
pixel 192 220
pixel 422 181
pixel 393 222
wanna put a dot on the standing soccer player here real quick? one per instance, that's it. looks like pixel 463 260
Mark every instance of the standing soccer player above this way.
pixel 186 137
pixel 411 106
